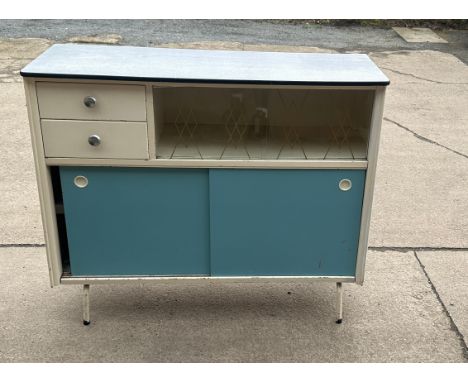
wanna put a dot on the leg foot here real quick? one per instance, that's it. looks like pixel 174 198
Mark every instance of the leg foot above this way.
pixel 86 320
pixel 339 302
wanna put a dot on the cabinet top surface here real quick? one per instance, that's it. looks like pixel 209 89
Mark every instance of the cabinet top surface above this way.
pixel 127 63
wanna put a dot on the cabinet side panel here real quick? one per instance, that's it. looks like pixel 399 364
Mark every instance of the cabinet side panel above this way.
pixel 284 222
pixel 137 221
pixel 44 184
pixel 374 141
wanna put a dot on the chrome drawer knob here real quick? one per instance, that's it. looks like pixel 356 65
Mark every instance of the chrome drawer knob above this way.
pixel 89 101
pixel 94 140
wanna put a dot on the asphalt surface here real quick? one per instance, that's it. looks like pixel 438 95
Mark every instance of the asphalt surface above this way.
pixel 156 32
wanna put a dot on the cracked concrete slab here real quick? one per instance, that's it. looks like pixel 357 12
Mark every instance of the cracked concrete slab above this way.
pixel 16 53
pixel 394 317
pixel 425 65
pixel 428 94
pixel 419 35
pixel 420 197
pixel 20 214
pixel 425 138
pixel 22 48
pixel 447 272
pixel 20 220
pixel 420 194
pixel 420 108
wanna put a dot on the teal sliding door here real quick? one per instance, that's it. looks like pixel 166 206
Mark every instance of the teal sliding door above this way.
pixel 137 221
pixel 219 222
pixel 284 222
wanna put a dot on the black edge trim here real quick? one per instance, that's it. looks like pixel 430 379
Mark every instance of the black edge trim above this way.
pixel 202 81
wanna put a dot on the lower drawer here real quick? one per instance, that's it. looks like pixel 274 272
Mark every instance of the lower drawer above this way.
pixel 94 139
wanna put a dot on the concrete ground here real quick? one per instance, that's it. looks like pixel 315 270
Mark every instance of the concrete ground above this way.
pixel 412 307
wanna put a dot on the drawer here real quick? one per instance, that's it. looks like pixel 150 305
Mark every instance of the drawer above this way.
pixel 70 139
pixel 112 102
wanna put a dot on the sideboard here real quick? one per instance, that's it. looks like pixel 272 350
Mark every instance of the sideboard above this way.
pixel 171 164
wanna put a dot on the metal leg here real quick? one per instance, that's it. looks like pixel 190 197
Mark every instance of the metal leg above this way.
pixel 86 320
pixel 339 302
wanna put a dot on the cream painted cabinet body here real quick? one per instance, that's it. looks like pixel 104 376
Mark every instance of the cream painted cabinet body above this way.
pixel 172 165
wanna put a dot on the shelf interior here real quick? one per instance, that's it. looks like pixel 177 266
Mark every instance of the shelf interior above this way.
pixel 257 123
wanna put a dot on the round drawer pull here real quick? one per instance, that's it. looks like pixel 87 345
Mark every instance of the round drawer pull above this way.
pixel 345 185
pixel 89 101
pixel 94 140
pixel 80 181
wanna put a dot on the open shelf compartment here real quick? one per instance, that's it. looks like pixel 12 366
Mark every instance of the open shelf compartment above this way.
pixel 226 123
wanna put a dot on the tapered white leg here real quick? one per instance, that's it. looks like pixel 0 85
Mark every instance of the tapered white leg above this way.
pixel 339 302
pixel 86 320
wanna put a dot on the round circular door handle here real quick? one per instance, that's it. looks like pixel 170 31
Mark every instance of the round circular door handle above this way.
pixel 89 101
pixel 80 181
pixel 345 184
pixel 94 140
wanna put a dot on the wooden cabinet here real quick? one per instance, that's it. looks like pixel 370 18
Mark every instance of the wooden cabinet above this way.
pixel 168 164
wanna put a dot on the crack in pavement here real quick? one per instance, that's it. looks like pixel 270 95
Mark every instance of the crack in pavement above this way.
pixel 371 248
pixel 424 139
pixel 422 78
pixel 453 326
pixel 411 249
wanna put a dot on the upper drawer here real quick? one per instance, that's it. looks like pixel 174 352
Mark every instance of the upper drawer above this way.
pixel 112 102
